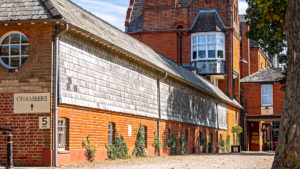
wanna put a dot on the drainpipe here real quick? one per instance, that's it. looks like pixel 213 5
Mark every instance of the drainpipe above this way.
pixel 58 34
pixel 179 37
pixel 218 127
pixel 159 105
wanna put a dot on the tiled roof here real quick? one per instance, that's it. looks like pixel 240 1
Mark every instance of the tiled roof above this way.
pixel 269 74
pixel 208 20
pixel 89 23
pixel 242 18
pixel 16 10
pixel 136 20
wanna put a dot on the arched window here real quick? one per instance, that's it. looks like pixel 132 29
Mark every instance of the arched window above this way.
pixel 167 136
pixel 62 134
pixel 145 135
pixel 111 133
pixel 14 50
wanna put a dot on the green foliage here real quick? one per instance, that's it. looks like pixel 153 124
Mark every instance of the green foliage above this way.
pixel 266 20
pixel 156 144
pixel 223 146
pixel 139 148
pixel 228 144
pixel 204 144
pixel 172 142
pixel 118 150
pixel 183 144
pixel 91 150
pixel 237 130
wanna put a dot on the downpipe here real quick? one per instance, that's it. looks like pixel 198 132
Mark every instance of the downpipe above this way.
pixel 159 106
pixel 56 88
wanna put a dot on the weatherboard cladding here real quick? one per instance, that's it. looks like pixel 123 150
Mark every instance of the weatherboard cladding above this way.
pixel 89 23
pixel 269 74
pixel 92 76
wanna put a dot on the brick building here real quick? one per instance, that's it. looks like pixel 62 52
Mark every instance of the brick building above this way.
pixel 201 35
pixel 262 98
pixel 66 74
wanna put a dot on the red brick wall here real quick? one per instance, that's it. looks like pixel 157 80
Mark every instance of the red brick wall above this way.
pixel 251 93
pixel 245 52
pixel 31 146
pixel 94 122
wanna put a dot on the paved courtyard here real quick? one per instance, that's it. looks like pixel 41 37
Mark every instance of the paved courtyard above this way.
pixel 246 160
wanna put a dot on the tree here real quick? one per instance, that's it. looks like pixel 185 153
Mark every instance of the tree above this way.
pixel 237 130
pixel 284 17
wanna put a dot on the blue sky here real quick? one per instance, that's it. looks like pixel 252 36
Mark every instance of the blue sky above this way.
pixel 114 11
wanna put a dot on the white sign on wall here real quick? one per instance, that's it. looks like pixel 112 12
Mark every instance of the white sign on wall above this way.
pixel 32 103
pixel 44 122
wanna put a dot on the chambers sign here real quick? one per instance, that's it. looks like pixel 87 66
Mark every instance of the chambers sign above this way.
pixel 32 103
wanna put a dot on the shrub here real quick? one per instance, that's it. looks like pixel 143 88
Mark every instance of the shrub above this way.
pixel 139 148
pixel 172 142
pixel 204 144
pixel 156 144
pixel 223 146
pixel 118 150
pixel 90 150
pixel 183 144
pixel 237 130
pixel 228 143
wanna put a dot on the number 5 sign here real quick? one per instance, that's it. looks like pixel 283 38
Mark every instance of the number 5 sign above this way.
pixel 44 122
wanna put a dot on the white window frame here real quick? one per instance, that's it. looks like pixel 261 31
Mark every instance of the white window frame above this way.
pixel 62 141
pixel 195 35
pixel 266 95
pixel 111 129
pixel 9 52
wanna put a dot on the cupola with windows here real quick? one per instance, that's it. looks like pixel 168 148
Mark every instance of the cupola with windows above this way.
pixel 208 43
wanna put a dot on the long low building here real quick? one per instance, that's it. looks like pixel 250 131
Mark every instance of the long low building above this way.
pixel 66 74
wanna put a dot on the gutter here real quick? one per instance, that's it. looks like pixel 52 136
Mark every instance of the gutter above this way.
pixel 159 106
pixel 56 71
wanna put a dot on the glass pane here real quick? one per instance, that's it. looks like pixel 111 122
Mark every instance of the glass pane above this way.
pixel 23 59
pixel 4 51
pixel 6 41
pixel 220 39
pixel 24 39
pixel 211 38
pixel 194 40
pixel 25 50
pixel 220 47
pixel 194 54
pixel 15 50
pixel 15 39
pixel 5 60
pixel 14 62
pixel 202 39
pixel 211 51
pixel 220 54
pixel 202 53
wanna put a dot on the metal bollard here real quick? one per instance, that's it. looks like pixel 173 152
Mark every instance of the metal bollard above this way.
pixel 9 164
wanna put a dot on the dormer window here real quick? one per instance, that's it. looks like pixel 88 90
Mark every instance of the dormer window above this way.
pixel 207 46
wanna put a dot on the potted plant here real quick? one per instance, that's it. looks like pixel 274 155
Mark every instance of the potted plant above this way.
pixel 266 146
pixel 237 130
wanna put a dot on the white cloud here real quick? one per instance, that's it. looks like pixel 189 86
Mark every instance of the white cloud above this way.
pixel 242 7
pixel 111 13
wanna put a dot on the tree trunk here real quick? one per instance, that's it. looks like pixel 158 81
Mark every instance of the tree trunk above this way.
pixel 288 149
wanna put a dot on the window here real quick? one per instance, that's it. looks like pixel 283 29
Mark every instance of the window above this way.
pixel 145 135
pixel 111 133
pixel 167 136
pixel 266 95
pixel 186 135
pixel 200 137
pixel 208 46
pixel 62 134
pixel 14 50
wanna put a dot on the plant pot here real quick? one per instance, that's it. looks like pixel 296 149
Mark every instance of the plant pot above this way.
pixel 235 149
